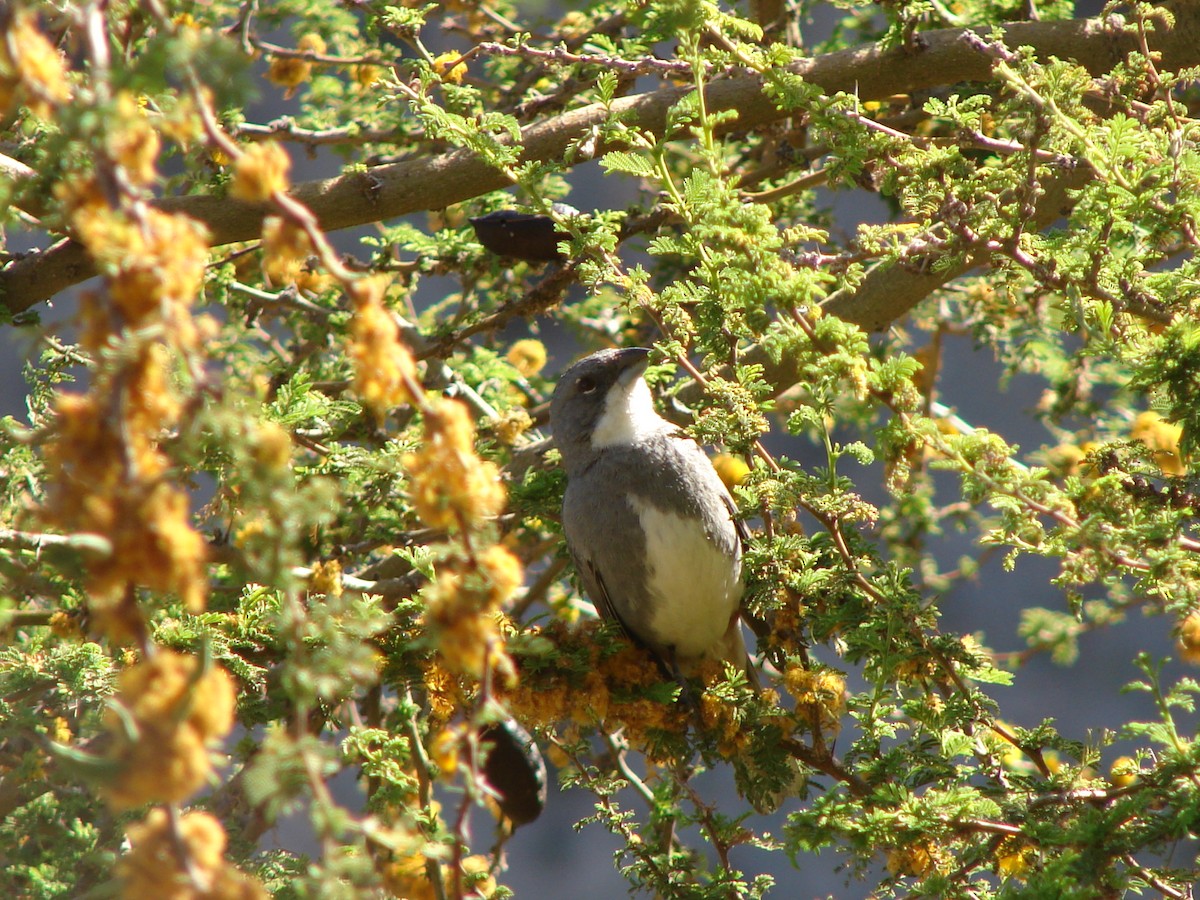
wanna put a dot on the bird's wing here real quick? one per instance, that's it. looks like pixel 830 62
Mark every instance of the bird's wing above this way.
pixel 593 584
pixel 739 524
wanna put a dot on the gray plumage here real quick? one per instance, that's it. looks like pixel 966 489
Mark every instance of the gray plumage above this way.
pixel 648 522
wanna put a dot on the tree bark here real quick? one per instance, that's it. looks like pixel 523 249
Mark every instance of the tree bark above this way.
pixel 384 192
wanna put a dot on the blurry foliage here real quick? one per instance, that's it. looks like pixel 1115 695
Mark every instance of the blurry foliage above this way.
pixel 266 469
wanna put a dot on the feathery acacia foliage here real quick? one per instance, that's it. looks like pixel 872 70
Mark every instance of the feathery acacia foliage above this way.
pixel 304 490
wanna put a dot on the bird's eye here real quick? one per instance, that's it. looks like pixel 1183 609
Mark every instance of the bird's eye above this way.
pixel 586 384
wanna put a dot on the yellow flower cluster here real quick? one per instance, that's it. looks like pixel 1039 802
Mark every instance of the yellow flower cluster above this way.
pixel 612 690
pixel 32 72
pixel 272 446
pixel 183 863
pixel 170 713
pixel 292 71
pixel 527 356
pixel 464 611
pixel 721 716
pixel 285 251
pixel 512 424
pixel 445 698
pixel 260 171
pixel 326 578
pixel 407 876
pixel 451 486
pixel 1162 437
pixel 1187 642
pixel 154 263
pixel 914 860
pixel 1014 859
pixel 366 75
pixel 384 368
pixel 820 696
pixel 105 476
pixel 133 143
pixel 448 67
pixel 732 470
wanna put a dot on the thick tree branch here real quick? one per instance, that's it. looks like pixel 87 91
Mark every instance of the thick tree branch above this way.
pixel 941 57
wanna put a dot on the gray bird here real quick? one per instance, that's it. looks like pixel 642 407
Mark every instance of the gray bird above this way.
pixel 648 522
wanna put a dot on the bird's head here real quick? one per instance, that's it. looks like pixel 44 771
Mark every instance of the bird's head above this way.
pixel 603 401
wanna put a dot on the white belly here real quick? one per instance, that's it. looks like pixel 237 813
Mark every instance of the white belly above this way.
pixel 698 588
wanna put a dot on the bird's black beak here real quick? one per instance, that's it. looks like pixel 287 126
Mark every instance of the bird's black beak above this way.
pixel 631 362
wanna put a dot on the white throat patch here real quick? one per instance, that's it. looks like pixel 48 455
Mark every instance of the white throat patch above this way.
pixel 628 416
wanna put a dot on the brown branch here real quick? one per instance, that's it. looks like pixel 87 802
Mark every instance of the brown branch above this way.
pixel 385 192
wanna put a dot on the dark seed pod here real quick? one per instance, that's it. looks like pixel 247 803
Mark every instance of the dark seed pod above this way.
pixel 515 770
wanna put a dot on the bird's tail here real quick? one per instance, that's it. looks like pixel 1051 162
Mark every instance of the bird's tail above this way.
pixel 732 649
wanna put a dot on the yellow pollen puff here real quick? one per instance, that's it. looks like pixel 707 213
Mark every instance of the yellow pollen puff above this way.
pixel 528 356
pixel 151 263
pixel 292 71
pixel 448 68
pixel 326 579
pixel 1162 438
pixel 731 469
pixel 260 172
pixel 366 75
pixel 477 868
pixel 511 425
pixel 272 446
pixel 1013 859
pixel 443 751
pixel 407 877
pixel 64 625
pixel 503 571
pixel 1123 772
pixel 1187 642
pixel 916 860
pixel 311 43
